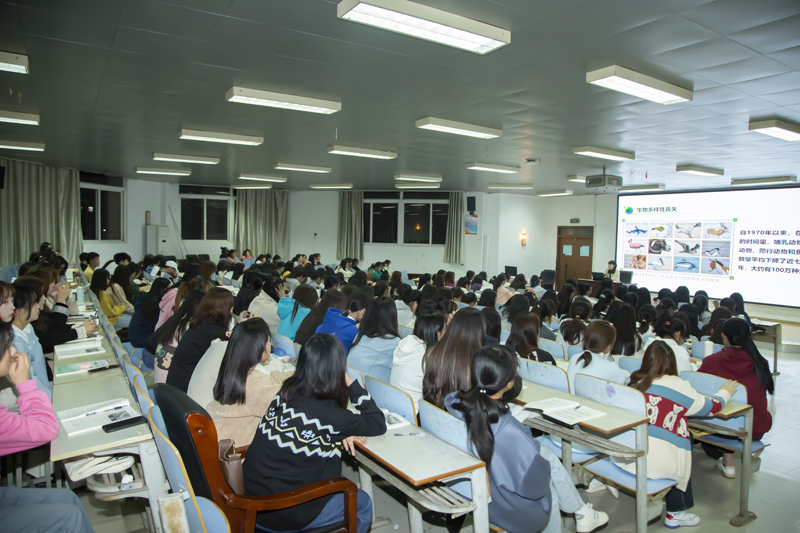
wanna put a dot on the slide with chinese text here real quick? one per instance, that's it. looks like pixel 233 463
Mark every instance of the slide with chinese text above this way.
pixel 742 240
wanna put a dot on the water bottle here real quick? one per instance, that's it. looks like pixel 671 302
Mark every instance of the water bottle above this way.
pixel 80 295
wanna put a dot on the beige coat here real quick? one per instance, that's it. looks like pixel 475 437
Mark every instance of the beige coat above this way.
pixel 118 297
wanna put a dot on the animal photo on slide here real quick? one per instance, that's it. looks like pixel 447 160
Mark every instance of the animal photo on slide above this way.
pixel 636 262
pixel 717 230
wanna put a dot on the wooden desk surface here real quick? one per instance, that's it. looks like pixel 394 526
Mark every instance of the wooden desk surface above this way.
pixel 418 459
pixel 732 409
pixel 616 420
pixel 99 387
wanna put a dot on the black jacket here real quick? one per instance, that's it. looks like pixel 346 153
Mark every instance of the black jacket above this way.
pixel 52 329
pixel 190 350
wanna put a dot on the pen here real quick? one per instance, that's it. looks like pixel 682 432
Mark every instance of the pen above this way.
pixel 408 434
pixel 103 411
pixel 577 407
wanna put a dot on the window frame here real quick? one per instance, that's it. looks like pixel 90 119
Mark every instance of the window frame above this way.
pixel 123 208
pixel 401 221
pixel 230 198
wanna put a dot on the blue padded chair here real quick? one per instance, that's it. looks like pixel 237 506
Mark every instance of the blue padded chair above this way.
pixel 504 336
pixel 404 331
pixel 453 431
pixel 404 315
pixel 461 305
pixel 283 346
pixel 574 350
pixel 372 362
pixel 543 374
pixel 630 364
pixel 629 399
pixel 552 347
pixel 201 513
pixel 498 306
pixel 392 399
pixel 699 350
pixel 130 371
pixel 355 375
pixel 297 349
pixel 140 389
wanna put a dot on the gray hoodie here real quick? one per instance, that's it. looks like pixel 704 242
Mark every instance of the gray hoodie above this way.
pixel 407 369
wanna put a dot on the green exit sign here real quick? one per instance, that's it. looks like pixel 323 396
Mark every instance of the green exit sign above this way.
pixel 574 221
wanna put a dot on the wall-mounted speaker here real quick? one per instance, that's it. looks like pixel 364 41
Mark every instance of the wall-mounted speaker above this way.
pixel 471 205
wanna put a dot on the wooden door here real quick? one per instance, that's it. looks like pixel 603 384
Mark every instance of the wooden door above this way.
pixel 574 254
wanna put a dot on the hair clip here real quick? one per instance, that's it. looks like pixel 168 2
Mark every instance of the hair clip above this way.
pixel 483 391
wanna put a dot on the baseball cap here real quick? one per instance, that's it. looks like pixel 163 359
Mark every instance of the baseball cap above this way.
pixel 172 264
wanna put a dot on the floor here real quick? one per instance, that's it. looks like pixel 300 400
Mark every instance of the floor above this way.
pixel 774 489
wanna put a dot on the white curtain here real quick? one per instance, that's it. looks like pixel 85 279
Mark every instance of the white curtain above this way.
pixel 262 221
pixel 350 239
pixel 454 241
pixel 39 204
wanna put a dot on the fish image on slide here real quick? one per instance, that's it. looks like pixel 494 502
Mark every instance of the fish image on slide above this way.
pixel 687 230
pixel 637 231
pixel 685 264
pixel 634 245
pixel 662 232
pixel 712 252
pixel 686 249
pixel 718 232
pixel 656 263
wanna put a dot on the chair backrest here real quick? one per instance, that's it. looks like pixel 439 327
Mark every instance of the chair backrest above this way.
pixel 130 371
pixel 574 350
pixel 355 375
pixel 204 257
pixel 140 389
pixel 543 374
pixel 404 331
pixel 547 277
pixel 614 395
pixel 498 306
pixel 388 397
pixel 552 347
pixel 283 346
pixel 176 472
pixel 296 348
pixel 630 364
pixel 709 384
pixel 504 336
pixel 404 315
pixel 175 405
pixel 461 305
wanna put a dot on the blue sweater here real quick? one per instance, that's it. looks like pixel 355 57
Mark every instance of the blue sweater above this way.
pixel 340 326
pixel 26 341
pixel 141 328
pixel 288 327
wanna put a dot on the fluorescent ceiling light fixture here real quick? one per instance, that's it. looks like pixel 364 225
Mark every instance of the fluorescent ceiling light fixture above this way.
pixel 14 62
pixel 634 83
pixel 13 117
pixel 361 152
pixel 425 23
pixel 555 193
pixel 576 179
pixel 604 153
pixel 777 128
pixel 177 158
pixel 164 171
pixel 242 95
pixel 642 188
pixel 332 186
pixel 510 186
pixel 416 185
pixel 28 147
pixel 226 138
pixel 302 168
pixel 263 177
pixel 700 171
pixel 765 181
pixel 492 168
pixel 418 177
pixel 252 186
pixel 458 128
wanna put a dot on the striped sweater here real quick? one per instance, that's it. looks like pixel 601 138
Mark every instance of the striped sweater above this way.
pixel 670 400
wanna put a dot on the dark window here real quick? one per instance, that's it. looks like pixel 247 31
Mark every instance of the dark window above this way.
pixel 110 216
pixel 366 221
pixel 382 195
pixel 417 223
pixel 89 214
pixel 384 223
pixel 411 195
pixel 192 219
pixel 439 223
pixel 202 189
pixel 217 220
pixel 100 179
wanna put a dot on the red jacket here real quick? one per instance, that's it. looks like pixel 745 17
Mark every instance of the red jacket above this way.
pixel 734 363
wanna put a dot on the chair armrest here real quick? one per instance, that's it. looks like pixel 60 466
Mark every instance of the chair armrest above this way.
pixel 243 450
pixel 293 497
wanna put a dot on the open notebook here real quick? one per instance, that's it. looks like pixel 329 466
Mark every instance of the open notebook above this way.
pixel 95 416
pixel 565 411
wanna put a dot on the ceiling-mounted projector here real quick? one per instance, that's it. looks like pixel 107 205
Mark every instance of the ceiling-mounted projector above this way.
pixel 605 182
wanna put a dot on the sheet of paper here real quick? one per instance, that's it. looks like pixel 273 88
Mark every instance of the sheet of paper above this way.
pixel 584 251
pixel 567 249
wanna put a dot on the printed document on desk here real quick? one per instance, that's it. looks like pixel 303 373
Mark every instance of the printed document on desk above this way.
pixel 566 411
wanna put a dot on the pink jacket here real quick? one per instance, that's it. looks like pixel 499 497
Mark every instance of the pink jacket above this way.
pixel 165 305
pixel 35 424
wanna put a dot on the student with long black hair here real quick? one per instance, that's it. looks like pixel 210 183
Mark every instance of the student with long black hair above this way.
pixel 334 299
pixel 115 313
pixel 629 341
pixel 169 334
pixel 604 299
pixel 144 319
pixel 565 299
pixel 423 280
pixel 28 302
pixel 377 340
pixel 672 331
pixel 701 302
pixel 681 296
pixel 738 310
pixel 119 288
pixel 487 299
pixel 265 303
pixel 515 306
pixel 644 297
pixel 647 315
pixel 344 324
pixel 524 338
pixel 720 313
pixel 294 309
pixel 407 372
pixel 741 361
pixel 596 358
pixel 547 314
pixel 493 325
pixel 313 402
pixel 572 328
pixel 529 485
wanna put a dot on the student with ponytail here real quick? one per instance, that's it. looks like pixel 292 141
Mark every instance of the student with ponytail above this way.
pixel 673 331
pixel 572 328
pixel 596 359
pixel 528 483
pixel 740 360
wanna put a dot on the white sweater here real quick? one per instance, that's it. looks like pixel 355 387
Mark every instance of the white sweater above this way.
pixel 407 369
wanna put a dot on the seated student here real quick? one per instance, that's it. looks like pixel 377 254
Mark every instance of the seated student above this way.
pixel 741 361
pixel 519 282
pixel 28 301
pixel 115 313
pixel 315 278
pixel 470 299
pixel 611 272
pixel 585 290
pixel 378 338
pixel 354 266
pixel 488 298
pixel 515 306
pixel 313 401
pixel 631 298
pixel 493 325
pixel 669 401
pixel 716 332
pixel 84 261
pixel 344 324
pixel 119 288
pixel 720 313
pixel 457 293
pixel 446 365
pixel 359 280
pixel 673 331
pixel 666 305
pixel 647 318
pixel 144 319
pixel 528 483
pixel 170 272
pixel 297 277
pixel 596 358
pixel 620 292
pixel 407 373
pixel 547 314
pixel 265 303
pixel 92 264
pixel 6 303
pixel 381 290
pixel 331 299
pixel 293 310
pixel 395 282
pixel 572 327
pixel 409 301
pixel 503 293
pixel 450 279
pixel 536 287
pixel 603 301
pixel 629 342
pixel 211 321
pixel 663 294
pixel 681 296
pixel 738 309
pixel 35 424
pixel 565 300
pixel 424 279
pixel 692 315
pixel 165 339
pixel 643 293
pixel 438 281
pixel 137 282
pixel 701 302
pixel 524 338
